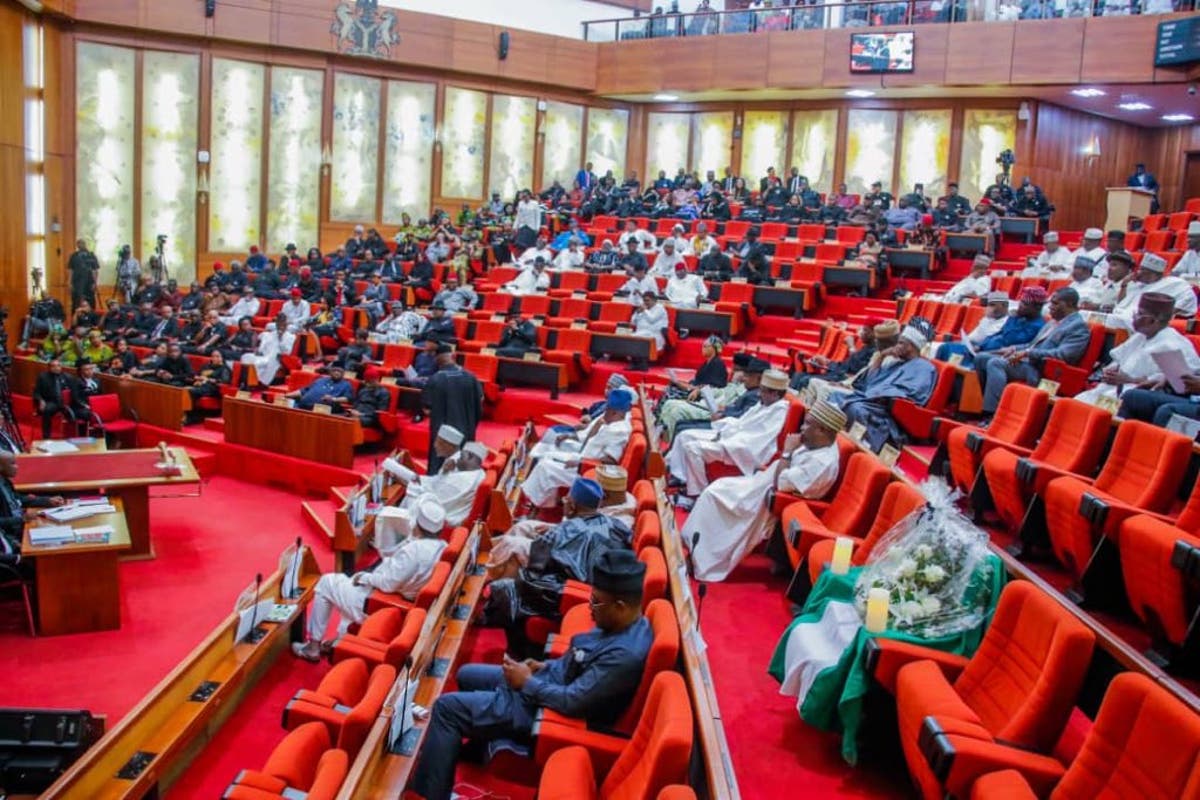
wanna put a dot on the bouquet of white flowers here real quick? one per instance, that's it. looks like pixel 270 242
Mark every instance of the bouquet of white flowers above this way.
pixel 926 563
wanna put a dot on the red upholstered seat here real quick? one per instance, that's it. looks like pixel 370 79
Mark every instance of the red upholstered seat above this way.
pixel 677 792
pixel 1142 470
pixel 1019 686
pixel 646 496
pixel 1145 744
pixel 1019 420
pixel 346 702
pixel 655 757
pixel 303 762
pixel 1154 585
pixel 106 409
pixel 1072 442
pixel 899 500
pixel 386 637
pixel 917 420
pixel 429 592
pixel 849 513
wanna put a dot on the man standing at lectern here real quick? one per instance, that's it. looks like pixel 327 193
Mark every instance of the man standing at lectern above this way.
pixel 1141 179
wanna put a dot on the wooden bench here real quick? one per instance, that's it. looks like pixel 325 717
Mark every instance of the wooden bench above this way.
pixel 324 438
pixel 152 745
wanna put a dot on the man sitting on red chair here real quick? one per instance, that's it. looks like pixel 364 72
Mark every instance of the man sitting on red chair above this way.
pixel 48 399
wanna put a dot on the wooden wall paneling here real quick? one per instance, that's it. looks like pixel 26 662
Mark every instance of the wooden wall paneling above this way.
pixel 528 55
pixel 1166 156
pixel 1047 51
pixel 839 162
pixel 677 66
pixel 59 151
pixel 741 61
pixel 798 57
pixel 978 52
pixel 607 57
pixel 573 63
pixel 250 20
pixel 1119 49
pixel 635 143
pixel 186 19
pixel 12 164
pixel 203 142
pixel 473 48
pixel 639 66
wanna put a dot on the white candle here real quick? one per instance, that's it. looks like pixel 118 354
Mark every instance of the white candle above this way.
pixel 877 610
pixel 842 548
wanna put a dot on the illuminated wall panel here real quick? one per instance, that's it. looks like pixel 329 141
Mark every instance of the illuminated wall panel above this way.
pixel 294 164
pixel 814 146
pixel 925 151
pixel 235 173
pixel 870 149
pixel 764 144
pixel 464 125
pixel 712 142
pixel 607 135
pixel 514 122
pixel 666 144
pixel 408 150
pixel 986 133
pixel 561 156
pixel 104 83
pixel 355 169
pixel 170 110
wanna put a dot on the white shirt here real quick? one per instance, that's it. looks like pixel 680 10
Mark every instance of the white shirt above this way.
pixel 605 441
pixel 528 282
pixel 569 259
pixel 530 255
pixel 987 326
pixel 686 290
pixel 650 322
pixel 645 240
pixel 1050 265
pixel 454 491
pixel 405 571
pixel 1093 290
pixel 1179 289
pixel 244 307
pixel 1097 254
pixel 404 325
pixel 636 288
pixel 969 287
pixel 810 473
pixel 664 264
pixel 683 245
pixel 297 313
pixel 1189 264
pixel 529 215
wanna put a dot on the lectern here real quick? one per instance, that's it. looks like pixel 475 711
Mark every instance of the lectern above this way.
pixel 1125 202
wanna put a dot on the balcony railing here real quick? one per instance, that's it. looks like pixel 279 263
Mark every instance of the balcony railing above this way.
pixel 864 13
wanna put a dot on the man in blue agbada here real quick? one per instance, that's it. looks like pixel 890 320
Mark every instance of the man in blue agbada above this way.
pixel 902 373
pixel 595 679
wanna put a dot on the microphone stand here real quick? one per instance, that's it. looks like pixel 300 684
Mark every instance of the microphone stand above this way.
pixel 295 570
pixel 701 586
pixel 400 745
pixel 256 633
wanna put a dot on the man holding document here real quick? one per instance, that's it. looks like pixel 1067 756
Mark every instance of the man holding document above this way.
pixel 995 320
pixel 1174 385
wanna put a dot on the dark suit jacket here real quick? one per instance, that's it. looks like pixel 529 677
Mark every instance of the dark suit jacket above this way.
pixel 1067 342
pixel 49 390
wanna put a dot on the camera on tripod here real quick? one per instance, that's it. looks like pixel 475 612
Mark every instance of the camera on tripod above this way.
pixel 1006 159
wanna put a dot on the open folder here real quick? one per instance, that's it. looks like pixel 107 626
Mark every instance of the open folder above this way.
pixel 1174 367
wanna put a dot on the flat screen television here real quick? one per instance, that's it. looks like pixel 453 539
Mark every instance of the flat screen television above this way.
pixel 881 52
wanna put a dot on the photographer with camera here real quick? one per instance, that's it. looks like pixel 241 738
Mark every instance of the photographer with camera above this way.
pixel 129 273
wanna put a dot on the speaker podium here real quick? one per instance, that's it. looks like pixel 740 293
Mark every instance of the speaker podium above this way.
pixel 1125 202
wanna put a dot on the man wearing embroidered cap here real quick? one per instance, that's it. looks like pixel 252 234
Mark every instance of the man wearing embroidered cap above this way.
pixel 566 552
pixel 595 680
pixel 1150 277
pixel 1053 262
pixel 1090 247
pixel 995 318
pixel 902 373
pixel 747 442
pixel 835 371
pixel 976 284
pixel 1189 265
pixel 1131 364
pixel 402 572
pixel 603 440
pixel 732 515
pixel 1065 339
pixel 1092 291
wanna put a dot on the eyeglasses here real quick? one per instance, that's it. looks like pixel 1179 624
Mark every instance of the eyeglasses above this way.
pixel 594 603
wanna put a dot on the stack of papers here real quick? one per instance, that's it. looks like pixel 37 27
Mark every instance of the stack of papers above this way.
pixel 54 446
pixel 74 511
pixel 97 534
pixel 44 535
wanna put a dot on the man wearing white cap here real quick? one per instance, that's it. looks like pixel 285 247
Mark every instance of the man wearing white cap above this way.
pixel 747 442
pixel 1054 262
pixel 533 279
pixel 732 515
pixel 1092 291
pixel 265 359
pixel 993 320
pixel 446 444
pixel 683 245
pixel 1189 265
pixel 1150 278
pixel 976 284
pixel 1091 248
pixel 403 572
pixel 453 489
pixel 902 374
pixel 665 261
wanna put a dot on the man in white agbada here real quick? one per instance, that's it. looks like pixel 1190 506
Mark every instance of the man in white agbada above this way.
pixel 401 324
pixel 265 359
pixel 531 280
pixel 645 240
pixel 403 572
pixel 664 262
pixel 1149 278
pixel 651 320
pixel 748 442
pixel 1054 262
pixel 296 311
pixel 1189 265
pixel 570 258
pixel 453 489
pixel 683 245
pixel 1093 292
pixel 639 284
pixel 732 516
pixel 540 250
pixel 1132 362
pixel 511 551
pixel 975 285
pixel 246 306
pixel 603 440
pixel 684 289
pixel 1092 248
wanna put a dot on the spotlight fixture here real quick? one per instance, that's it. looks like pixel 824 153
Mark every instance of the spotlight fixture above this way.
pixel 666 98
pixel 860 93
pixel 1177 117
pixel 1088 92
pixel 1136 105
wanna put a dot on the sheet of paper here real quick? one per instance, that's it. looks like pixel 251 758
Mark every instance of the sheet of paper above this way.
pixel 54 446
pixel 1173 367
pixel 51 534
pixel 962 335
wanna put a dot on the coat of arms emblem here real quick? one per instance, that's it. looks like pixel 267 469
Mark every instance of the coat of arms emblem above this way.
pixel 363 30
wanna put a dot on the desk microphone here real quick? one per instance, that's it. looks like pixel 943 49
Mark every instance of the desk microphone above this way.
pixel 701 586
pixel 295 571
pixel 255 634
pixel 406 722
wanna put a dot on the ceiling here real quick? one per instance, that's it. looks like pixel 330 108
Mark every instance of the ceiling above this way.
pixel 1164 98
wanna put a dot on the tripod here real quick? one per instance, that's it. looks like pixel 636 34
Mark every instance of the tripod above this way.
pixel 10 433
pixel 158 261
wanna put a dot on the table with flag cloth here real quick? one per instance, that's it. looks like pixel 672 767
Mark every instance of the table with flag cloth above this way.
pixel 834 701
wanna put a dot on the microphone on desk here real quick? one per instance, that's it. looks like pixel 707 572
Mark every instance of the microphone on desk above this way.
pixel 701 586
pixel 404 709
pixel 295 571
pixel 253 635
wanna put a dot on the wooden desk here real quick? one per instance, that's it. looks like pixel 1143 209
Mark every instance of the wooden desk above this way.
pixel 349 540
pixel 785 297
pixel 124 475
pixel 900 258
pixel 325 438
pixel 624 345
pixel 519 372
pixel 157 404
pixel 703 320
pixel 185 710
pixel 78 585
pixel 1026 227
pixel 970 243
pixel 862 278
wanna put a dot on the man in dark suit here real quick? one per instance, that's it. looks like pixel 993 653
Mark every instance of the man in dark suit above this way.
pixel 454 397
pixel 520 337
pixel 48 398
pixel 12 512
pixel 1065 339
